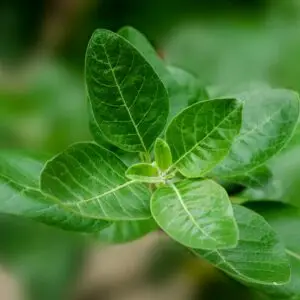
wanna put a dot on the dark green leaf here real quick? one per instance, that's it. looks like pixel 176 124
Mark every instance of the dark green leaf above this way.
pixel 259 257
pixel 129 101
pixel 91 181
pixel 126 231
pixel 197 214
pixel 269 119
pixel 144 172
pixel 163 155
pixel 20 195
pixel 201 135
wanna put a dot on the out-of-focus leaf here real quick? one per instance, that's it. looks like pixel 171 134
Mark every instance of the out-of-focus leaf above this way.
pixel 285 220
pixel 269 119
pixel 126 231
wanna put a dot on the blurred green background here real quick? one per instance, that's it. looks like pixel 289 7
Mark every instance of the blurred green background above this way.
pixel 226 43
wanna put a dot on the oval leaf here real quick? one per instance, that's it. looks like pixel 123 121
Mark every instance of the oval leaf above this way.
pixel 144 172
pixel 259 257
pixel 163 155
pixel 91 181
pixel 285 220
pixel 197 214
pixel 269 119
pixel 201 135
pixel 126 231
pixel 129 101
pixel 20 195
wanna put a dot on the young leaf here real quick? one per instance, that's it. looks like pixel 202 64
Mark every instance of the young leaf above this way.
pixel 91 181
pixel 259 257
pixel 269 119
pixel 201 135
pixel 163 155
pixel 128 99
pixel 285 220
pixel 144 172
pixel 197 214
pixel 20 195
pixel 126 231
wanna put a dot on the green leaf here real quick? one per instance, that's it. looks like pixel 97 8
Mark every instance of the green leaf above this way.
pixel 197 214
pixel 285 220
pixel 183 87
pixel 139 40
pixel 188 87
pixel 126 231
pixel 128 99
pixel 259 257
pixel 163 155
pixel 91 181
pixel 144 172
pixel 269 119
pixel 21 196
pixel 201 135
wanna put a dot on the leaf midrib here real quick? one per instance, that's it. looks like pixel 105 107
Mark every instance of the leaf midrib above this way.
pixel 189 214
pixel 123 99
pixel 205 137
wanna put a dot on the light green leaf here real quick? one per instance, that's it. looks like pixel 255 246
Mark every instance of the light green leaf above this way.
pixel 259 257
pixel 129 101
pixel 21 196
pixel 197 214
pixel 285 220
pixel 126 231
pixel 201 135
pixel 269 119
pixel 189 88
pixel 163 155
pixel 144 172
pixel 91 181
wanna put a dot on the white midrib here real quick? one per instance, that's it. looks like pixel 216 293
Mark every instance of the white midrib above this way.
pixel 205 137
pixel 123 99
pixel 293 254
pixel 189 214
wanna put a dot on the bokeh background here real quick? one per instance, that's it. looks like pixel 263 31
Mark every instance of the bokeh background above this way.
pixel 43 109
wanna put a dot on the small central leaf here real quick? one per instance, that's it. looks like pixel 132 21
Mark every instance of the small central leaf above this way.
pixel 197 214
pixel 144 172
pixel 163 155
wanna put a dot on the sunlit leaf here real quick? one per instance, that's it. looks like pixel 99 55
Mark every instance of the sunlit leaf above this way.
pixel 163 155
pixel 144 172
pixel 259 257
pixel 201 135
pixel 91 181
pixel 197 214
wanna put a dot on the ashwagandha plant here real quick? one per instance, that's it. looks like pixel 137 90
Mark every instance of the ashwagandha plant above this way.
pixel 164 151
